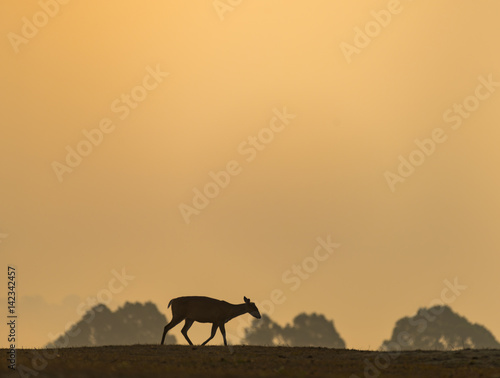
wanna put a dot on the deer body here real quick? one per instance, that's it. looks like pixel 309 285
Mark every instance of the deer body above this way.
pixel 206 310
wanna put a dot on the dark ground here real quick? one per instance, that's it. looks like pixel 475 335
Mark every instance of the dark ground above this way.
pixel 248 361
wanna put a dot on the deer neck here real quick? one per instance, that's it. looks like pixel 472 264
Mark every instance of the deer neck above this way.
pixel 237 310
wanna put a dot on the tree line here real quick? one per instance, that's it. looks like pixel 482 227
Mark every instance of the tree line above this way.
pixel 435 328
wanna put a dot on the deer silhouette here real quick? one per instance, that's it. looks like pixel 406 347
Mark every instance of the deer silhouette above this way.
pixel 206 310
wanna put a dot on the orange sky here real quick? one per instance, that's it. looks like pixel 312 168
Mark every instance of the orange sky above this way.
pixel 183 90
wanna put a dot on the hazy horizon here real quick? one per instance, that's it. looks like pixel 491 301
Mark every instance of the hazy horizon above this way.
pixel 357 140
pixel 54 326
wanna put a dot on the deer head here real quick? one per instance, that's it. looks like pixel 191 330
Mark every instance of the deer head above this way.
pixel 252 308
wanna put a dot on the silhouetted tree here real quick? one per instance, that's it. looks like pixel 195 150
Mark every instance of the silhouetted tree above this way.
pixel 312 330
pixel 438 328
pixel 134 323
pixel 306 330
pixel 263 331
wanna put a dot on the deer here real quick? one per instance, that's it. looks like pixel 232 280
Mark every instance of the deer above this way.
pixel 206 310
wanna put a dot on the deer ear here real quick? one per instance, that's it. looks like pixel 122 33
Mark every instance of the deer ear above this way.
pixel 246 299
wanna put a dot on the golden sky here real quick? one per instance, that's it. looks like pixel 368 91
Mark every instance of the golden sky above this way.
pixel 314 108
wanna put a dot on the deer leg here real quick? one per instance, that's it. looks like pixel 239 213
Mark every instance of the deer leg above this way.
pixel 168 327
pixel 223 331
pixel 184 330
pixel 214 329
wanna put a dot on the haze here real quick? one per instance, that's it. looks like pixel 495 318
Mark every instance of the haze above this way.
pixel 201 82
